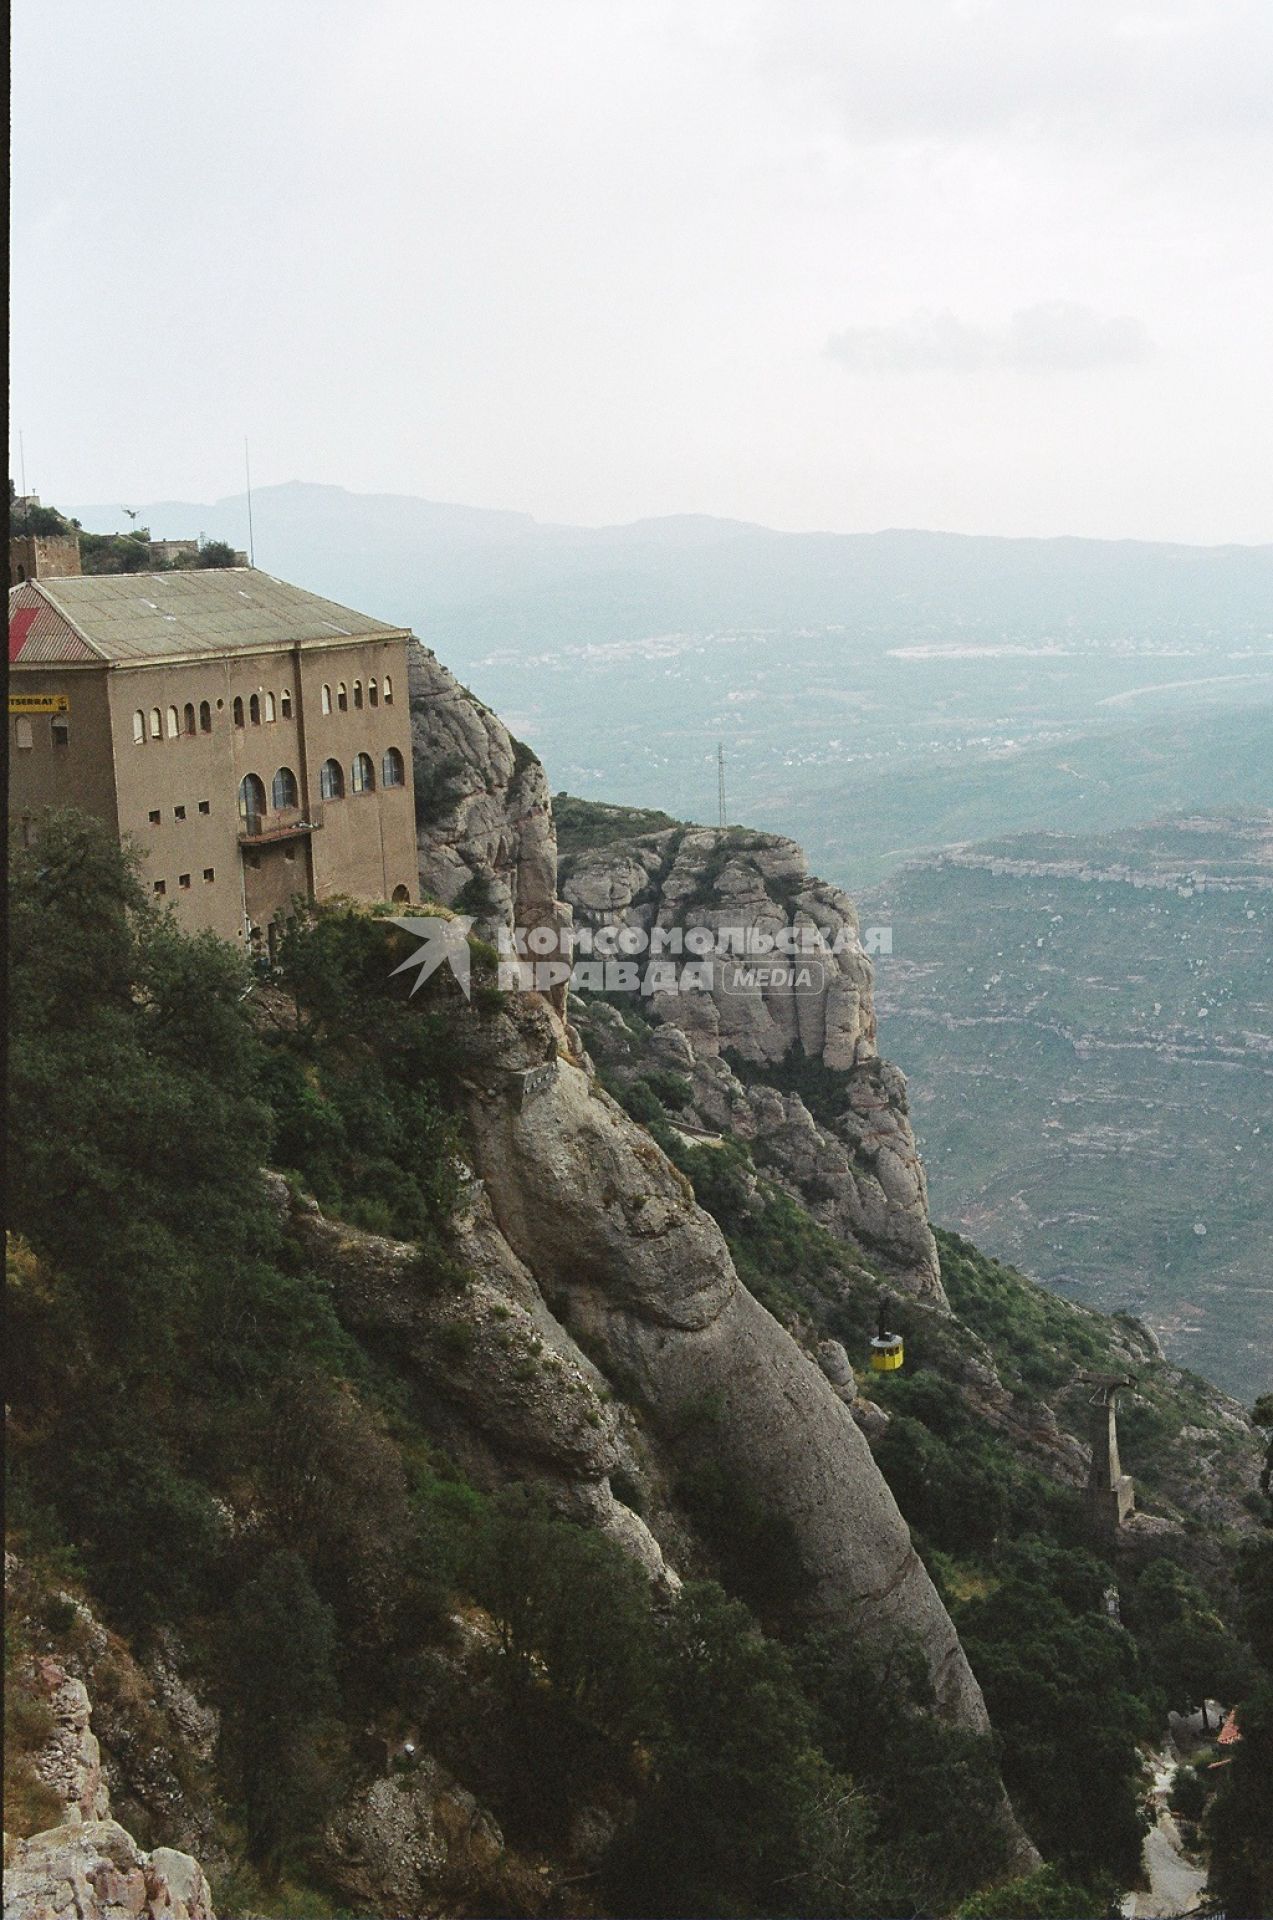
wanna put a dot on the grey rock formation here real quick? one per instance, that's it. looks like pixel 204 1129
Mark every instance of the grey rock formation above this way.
pixel 515 1395
pixel 70 1762
pixel 599 1289
pixel 751 883
pixel 605 1223
pixel 400 1843
pixel 863 1178
pixel 94 1870
pixel 88 1867
pixel 485 832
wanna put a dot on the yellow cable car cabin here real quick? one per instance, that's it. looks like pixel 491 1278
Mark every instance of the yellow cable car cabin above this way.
pixel 886 1352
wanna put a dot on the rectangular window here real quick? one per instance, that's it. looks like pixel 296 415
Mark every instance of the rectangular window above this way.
pixel 209 874
pixel 161 886
pixel 22 732
pixel 155 817
pixel 178 813
pixel 205 806
pixel 61 733
pixel 183 881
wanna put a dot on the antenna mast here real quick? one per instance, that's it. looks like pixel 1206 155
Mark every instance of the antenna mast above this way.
pixel 720 781
pixel 247 469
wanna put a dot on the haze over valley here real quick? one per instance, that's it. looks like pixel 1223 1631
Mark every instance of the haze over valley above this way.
pixel 878 695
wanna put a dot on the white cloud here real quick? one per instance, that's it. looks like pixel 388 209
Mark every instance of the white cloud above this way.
pixel 1056 336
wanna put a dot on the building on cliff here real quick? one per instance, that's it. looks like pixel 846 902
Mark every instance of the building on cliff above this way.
pixel 250 739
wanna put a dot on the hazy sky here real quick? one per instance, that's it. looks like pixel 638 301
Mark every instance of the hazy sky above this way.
pixel 989 266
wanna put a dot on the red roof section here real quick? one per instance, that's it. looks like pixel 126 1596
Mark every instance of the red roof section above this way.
pixel 1229 1735
pixel 40 636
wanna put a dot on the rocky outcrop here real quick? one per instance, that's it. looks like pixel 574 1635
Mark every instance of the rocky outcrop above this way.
pixel 70 1762
pixel 87 1867
pixel 643 1278
pixel 729 882
pixel 513 1393
pixel 859 1174
pixel 603 1327
pixel 404 1842
pixel 94 1870
pixel 484 824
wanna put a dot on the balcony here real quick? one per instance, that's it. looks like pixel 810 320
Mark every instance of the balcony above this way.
pixel 292 823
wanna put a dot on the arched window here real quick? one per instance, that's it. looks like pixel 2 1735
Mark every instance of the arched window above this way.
pixel 156 724
pixel 388 691
pixel 238 710
pixel 187 718
pixel 251 798
pixel 269 708
pixel 358 696
pixel 373 691
pixel 327 699
pixel 283 793
pixel 285 704
pixel 254 709
pixel 342 697
pixel 174 723
pixel 401 896
pixel 331 781
pixel 364 778
pixel 205 717
pixel 392 771
pixel 139 727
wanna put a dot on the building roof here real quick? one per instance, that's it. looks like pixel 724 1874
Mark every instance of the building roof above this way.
pixel 129 619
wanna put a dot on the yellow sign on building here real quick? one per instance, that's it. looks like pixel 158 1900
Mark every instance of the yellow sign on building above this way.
pixel 39 703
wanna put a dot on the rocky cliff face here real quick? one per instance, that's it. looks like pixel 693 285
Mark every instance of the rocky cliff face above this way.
pixel 86 1866
pixel 484 819
pixel 604 1328
pixel 861 1177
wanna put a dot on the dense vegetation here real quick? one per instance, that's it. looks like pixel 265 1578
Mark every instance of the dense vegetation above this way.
pixel 198 1444
pixel 1073 1696
pixel 584 824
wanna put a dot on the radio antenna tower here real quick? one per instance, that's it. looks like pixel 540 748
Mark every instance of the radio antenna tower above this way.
pixel 247 470
pixel 720 781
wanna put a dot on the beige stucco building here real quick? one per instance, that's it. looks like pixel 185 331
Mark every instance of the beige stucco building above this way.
pixel 250 739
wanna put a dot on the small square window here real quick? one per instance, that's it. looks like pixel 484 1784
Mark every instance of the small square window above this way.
pixel 178 813
pixel 209 874
pixel 161 886
pixel 205 806
pixel 183 881
pixel 155 816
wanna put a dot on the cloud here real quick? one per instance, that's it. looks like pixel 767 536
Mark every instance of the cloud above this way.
pixel 1055 336
pixel 1103 71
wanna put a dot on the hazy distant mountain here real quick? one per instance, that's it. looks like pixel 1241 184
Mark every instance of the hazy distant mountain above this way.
pixel 422 556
